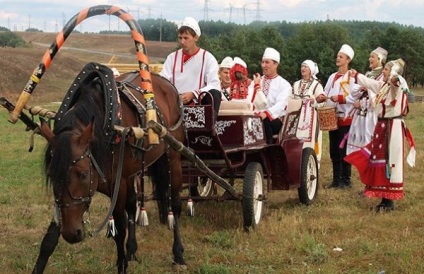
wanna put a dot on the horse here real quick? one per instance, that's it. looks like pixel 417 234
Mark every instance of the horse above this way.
pixel 82 151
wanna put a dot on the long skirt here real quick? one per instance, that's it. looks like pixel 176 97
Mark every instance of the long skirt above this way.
pixel 380 163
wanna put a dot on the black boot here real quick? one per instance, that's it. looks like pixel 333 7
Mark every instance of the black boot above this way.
pixel 337 175
pixel 346 174
pixel 385 205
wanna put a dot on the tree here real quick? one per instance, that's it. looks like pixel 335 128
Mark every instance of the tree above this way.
pixel 10 39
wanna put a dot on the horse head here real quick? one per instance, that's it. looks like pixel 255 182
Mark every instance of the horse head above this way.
pixel 71 170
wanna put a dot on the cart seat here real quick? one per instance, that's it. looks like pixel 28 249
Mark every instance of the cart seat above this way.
pixel 229 108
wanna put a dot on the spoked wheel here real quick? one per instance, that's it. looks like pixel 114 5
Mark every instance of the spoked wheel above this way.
pixel 205 187
pixel 308 189
pixel 253 191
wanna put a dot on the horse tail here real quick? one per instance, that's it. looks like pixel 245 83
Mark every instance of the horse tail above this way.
pixel 47 161
pixel 159 172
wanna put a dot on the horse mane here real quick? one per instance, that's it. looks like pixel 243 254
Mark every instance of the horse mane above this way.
pixel 88 105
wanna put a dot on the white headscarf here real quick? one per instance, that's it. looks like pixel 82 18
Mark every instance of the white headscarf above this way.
pixel 238 60
pixel 313 67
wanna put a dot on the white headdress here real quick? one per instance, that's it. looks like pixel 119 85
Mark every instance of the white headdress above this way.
pixel 227 62
pixel 381 53
pixel 313 67
pixel 346 49
pixel 191 23
pixel 272 54
pixel 238 60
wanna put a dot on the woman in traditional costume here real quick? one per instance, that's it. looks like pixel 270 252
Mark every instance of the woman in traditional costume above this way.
pixel 380 163
pixel 310 89
pixel 365 118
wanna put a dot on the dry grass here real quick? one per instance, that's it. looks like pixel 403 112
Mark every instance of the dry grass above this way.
pixel 291 238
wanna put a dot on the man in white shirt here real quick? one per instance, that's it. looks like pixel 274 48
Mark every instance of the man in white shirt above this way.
pixel 341 92
pixel 276 90
pixel 193 70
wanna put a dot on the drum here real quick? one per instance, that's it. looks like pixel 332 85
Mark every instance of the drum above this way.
pixel 327 118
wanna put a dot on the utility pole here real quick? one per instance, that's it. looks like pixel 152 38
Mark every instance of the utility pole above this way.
pixel 258 10
pixel 63 20
pixel 206 10
pixel 160 29
pixel 232 9
pixel 244 14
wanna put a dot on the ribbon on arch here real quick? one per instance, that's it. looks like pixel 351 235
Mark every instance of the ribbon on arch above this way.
pixel 141 52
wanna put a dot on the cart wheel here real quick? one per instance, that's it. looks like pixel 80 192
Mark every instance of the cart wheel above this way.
pixel 205 187
pixel 253 191
pixel 308 189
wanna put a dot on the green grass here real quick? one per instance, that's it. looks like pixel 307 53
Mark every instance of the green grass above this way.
pixel 291 238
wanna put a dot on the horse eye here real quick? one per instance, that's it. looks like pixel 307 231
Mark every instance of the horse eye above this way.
pixel 84 175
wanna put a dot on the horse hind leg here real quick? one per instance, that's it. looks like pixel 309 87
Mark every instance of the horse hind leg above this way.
pixel 48 245
pixel 160 180
pixel 178 249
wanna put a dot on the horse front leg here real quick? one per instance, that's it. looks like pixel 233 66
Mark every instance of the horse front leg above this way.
pixel 121 262
pixel 48 245
pixel 131 212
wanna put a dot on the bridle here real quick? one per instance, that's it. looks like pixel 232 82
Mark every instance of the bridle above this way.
pixel 87 199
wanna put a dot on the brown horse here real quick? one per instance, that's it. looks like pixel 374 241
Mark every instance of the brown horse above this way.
pixel 85 154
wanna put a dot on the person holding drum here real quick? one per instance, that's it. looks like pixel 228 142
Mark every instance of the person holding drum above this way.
pixel 269 93
pixel 338 88
pixel 365 118
pixel 309 87
pixel 380 162
pixel 193 70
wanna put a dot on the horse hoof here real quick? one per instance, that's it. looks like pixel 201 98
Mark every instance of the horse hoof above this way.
pixel 132 257
pixel 179 267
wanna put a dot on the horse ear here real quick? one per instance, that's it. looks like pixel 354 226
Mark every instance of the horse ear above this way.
pixel 45 130
pixel 87 134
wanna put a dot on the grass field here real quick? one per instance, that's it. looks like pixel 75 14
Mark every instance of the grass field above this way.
pixel 291 238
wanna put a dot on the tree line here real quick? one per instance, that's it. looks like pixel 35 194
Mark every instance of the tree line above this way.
pixel 319 41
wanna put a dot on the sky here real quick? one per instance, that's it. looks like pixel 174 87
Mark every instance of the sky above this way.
pixel 52 15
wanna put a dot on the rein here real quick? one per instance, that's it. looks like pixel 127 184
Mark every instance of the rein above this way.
pixel 117 182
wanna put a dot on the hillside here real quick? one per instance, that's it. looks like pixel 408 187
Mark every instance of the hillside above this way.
pixel 18 63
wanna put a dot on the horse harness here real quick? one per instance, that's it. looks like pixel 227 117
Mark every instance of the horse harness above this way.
pixel 87 199
pixel 112 93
